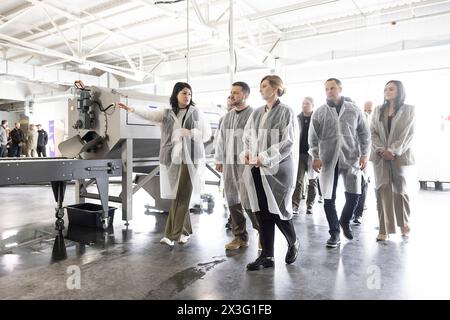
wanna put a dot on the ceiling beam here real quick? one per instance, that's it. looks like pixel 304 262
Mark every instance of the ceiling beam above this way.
pixel 289 8
pixel 16 17
pixel 59 31
pixel 198 12
pixel 269 23
pixel 26 46
pixel 16 10
pixel 298 32
pixel 123 32
pixel 198 26
pixel 115 35
pixel 71 19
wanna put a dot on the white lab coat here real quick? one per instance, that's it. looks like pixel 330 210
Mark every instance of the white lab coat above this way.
pixel 344 138
pixel 228 147
pixel 175 149
pixel 273 136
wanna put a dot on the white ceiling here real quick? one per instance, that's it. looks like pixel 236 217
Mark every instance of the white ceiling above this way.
pixel 139 39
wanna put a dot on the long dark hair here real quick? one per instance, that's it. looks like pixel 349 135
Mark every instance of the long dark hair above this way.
pixel 401 95
pixel 173 98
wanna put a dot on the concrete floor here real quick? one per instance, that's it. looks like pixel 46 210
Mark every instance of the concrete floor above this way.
pixel 129 263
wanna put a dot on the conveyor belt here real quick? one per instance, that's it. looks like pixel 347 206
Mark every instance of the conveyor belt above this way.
pixel 15 171
pixel 58 171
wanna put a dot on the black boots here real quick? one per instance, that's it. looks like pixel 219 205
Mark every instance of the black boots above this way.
pixel 292 252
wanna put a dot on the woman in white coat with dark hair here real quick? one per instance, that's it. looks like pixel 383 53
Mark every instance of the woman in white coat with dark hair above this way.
pixel 392 130
pixel 184 130
pixel 270 154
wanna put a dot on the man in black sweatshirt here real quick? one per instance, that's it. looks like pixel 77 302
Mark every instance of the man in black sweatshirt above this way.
pixel 42 142
pixel 17 138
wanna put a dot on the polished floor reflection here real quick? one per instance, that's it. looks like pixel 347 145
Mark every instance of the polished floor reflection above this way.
pixel 130 263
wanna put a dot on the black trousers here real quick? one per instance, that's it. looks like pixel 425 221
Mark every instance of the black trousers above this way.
pixel 41 151
pixel 15 150
pixel 351 200
pixel 267 220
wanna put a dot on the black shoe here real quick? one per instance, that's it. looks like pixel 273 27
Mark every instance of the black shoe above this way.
pixel 292 252
pixel 357 220
pixel 309 209
pixel 347 230
pixel 261 263
pixel 294 210
pixel 334 241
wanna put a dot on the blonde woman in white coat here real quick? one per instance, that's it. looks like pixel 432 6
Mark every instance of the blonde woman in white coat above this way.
pixel 392 130
pixel 270 155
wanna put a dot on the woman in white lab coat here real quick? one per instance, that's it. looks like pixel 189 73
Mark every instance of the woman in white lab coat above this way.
pixel 184 129
pixel 392 129
pixel 270 154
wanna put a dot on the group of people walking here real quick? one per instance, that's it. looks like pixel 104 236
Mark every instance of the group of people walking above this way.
pixel 15 143
pixel 265 153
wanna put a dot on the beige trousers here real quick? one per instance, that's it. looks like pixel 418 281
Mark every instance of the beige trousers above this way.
pixel 179 221
pixel 391 204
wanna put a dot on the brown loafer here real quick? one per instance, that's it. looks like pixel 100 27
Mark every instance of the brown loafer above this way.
pixel 382 237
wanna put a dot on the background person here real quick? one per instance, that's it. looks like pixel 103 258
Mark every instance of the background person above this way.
pixel 392 130
pixel 305 160
pixel 228 148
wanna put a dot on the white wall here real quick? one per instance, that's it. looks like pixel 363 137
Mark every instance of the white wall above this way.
pixel 12 117
pixel 55 111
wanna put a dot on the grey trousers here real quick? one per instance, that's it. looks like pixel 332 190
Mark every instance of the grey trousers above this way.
pixel 179 221
pixel 239 223
pixel 299 186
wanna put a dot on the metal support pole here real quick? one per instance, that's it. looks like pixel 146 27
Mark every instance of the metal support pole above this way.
pixel 188 53
pixel 232 64
pixel 79 185
pixel 127 180
pixel 102 187
pixel 59 247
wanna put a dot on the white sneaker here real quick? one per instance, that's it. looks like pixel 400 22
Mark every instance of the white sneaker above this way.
pixel 167 241
pixel 183 239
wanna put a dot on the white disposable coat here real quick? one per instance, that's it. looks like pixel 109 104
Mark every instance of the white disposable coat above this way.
pixel 344 138
pixel 228 146
pixel 273 136
pixel 175 149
